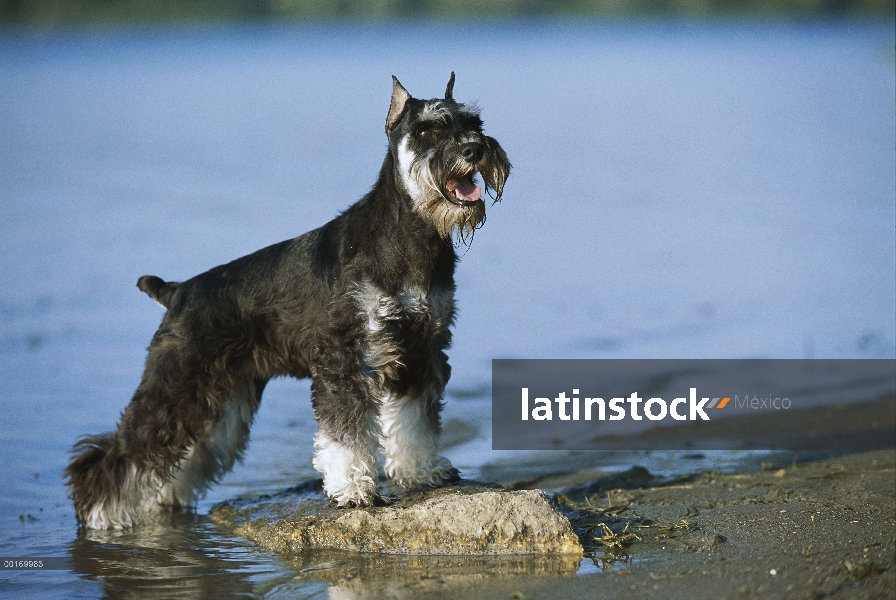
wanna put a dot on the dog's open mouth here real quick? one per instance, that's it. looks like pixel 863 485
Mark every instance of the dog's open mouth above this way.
pixel 462 190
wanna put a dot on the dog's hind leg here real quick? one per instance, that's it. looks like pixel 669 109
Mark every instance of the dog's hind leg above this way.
pixel 215 453
pixel 108 490
pixel 410 441
pixel 118 479
pixel 185 426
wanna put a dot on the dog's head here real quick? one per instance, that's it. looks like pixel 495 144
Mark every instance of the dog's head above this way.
pixel 438 148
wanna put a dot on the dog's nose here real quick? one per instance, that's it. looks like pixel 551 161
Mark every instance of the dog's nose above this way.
pixel 472 151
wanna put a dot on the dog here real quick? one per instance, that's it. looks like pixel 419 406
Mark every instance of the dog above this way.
pixel 363 306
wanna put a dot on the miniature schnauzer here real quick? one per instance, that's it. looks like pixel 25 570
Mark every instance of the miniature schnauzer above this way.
pixel 362 306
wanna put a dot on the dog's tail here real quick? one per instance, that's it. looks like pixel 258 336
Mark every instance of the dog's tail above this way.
pixel 99 477
pixel 158 289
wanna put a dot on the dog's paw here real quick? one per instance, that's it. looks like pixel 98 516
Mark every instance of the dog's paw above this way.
pixel 360 490
pixel 452 477
pixel 442 473
pixel 374 500
pixel 444 477
pixel 438 473
pixel 354 499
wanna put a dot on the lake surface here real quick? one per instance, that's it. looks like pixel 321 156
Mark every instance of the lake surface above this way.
pixel 713 190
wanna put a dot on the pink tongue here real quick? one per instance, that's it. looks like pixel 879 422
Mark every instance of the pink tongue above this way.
pixel 463 189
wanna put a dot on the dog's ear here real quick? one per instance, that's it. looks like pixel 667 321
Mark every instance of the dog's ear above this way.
pixel 400 96
pixel 449 91
pixel 158 289
pixel 496 169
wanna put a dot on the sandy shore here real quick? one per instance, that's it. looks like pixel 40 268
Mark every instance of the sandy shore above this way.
pixel 820 530
pixel 826 529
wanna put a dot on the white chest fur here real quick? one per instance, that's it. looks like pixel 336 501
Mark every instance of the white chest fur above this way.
pixel 378 308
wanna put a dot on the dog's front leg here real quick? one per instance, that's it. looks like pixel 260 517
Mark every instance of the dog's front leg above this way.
pixel 349 467
pixel 410 440
pixel 346 444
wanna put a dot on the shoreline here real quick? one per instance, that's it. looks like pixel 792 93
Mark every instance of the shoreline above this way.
pixel 823 529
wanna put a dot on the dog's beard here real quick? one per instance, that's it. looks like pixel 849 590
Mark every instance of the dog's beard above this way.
pixel 448 193
pixel 451 219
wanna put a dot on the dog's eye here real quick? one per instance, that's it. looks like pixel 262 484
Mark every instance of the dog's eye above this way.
pixel 424 134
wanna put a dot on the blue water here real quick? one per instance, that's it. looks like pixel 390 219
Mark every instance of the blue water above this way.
pixel 713 190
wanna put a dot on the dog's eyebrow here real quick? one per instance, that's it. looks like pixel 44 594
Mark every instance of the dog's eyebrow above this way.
pixel 429 124
pixel 436 111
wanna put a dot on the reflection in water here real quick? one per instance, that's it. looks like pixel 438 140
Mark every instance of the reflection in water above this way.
pixel 338 566
pixel 183 555
pixel 169 559
pixel 351 575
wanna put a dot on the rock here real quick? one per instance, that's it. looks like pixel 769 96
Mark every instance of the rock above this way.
pixel 466 519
